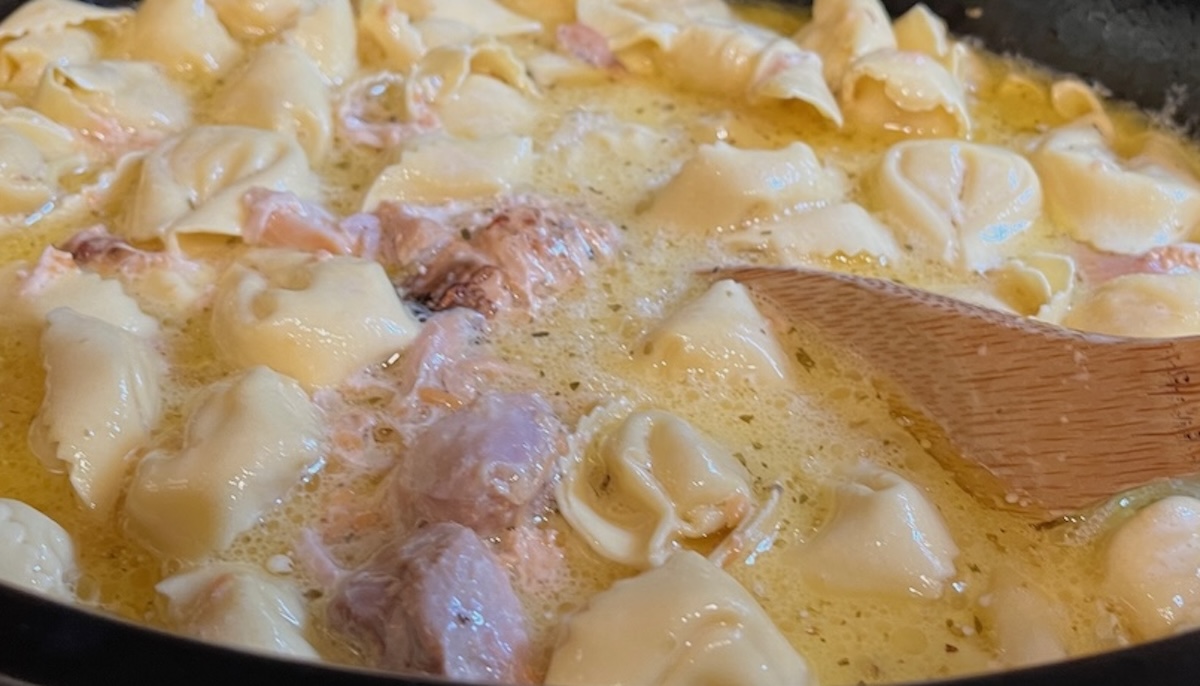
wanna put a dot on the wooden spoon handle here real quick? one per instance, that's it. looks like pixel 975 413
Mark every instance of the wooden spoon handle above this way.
pixel 1062 418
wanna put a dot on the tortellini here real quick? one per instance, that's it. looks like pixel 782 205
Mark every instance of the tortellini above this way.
pixel 102 400
pixel 247 442
pixel 712 54
pixel 193 182
pixel 113 100
pixel 184 36
pixel 443 71
pixel 904 92
pixel 237 605
pixel 695 625
pixel 256 20
pixel 38 553
pixel 721 336
pixel 1144 305
pixel 483 106
pixel 34 153
pixel 957 202
pixel 1036 285
pixel 845 229
pixel 441 169
pixel 49 16
pixel 327 34
pixel 22 61
pixel 483 16
pixel 885 81
pixel 26 183
pixel 1150 567
pixel 724 187
pixel 884 538
pixel 1024 623
pixel 663 481
pixel 280 90
pixel 841 31
pixel 56 281
pixel 1122 206
pixel 316 319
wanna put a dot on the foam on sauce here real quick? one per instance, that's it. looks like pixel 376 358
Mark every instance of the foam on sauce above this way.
pixel 803 438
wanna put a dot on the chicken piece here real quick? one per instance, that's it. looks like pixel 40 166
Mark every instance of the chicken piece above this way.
pixel 281 219
pixel 484 466
pixel 438 603
pixel 513 254
pixel 376 412
pixel 586 44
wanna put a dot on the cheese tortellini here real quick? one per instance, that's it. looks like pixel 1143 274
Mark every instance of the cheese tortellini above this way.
pixel 194 182
pixel 1142 305
pixel 184 36
pixel 102 400
pixel 1024 623
pixel 663 481
pixel 885 538
pixel 327 33
pixel 957 202
pixel 694 624
pixel 441 169
pixel 1117 205
pixel 281 90
pixel 723 187
pixel 721 336
pixel 904 92
pixel 114 100
pixel 247 442
pixel 38 553
pixel 889 79
pixel 236 604
pixel 841 31
pixel 706 52
pixel 1150 567
pixel 845 229
pixel 35 153
pixel 316 319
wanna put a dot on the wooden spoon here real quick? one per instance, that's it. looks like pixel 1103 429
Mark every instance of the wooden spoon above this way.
pixel 1057 419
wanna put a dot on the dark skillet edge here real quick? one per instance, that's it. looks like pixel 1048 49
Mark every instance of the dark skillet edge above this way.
pixel 44 643
pixel 1119 43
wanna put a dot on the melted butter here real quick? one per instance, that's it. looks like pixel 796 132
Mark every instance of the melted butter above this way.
pixel 803 438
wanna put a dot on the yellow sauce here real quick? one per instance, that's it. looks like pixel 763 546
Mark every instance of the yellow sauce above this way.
pixel 801 438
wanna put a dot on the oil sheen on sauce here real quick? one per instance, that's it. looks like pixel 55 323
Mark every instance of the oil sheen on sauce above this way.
pixel 801 438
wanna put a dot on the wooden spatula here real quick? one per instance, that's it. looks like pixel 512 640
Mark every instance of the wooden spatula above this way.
pixel 1057 419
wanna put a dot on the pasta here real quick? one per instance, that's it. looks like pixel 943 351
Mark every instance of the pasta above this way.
pixel 193 182
pixel 396 334
pixel 1150 566
pixel 39 553
pixel 885 537
pixel 237 605
pixel 723 187
pixel 282 90
pixel 741 350
pixel 248 440
pixel 103 400
pixel 717 632
pixel 957 202
pixel 666 482
pixel 289 311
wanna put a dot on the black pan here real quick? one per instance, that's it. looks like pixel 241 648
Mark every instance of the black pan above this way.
pixel 1147 51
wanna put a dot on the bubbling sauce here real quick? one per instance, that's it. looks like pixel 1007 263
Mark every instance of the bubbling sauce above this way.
pixel 805 437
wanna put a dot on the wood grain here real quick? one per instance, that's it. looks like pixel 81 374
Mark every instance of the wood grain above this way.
pixel 1056 419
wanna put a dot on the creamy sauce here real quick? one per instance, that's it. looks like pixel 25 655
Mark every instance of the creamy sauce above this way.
pixel 804 438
